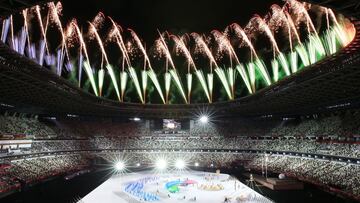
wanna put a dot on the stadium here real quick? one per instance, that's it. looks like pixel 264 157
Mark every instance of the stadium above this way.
pixel 180 101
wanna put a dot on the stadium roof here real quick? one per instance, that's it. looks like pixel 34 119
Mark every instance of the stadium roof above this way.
pixel 330 84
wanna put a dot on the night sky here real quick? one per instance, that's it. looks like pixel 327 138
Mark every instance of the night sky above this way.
pixel 146 16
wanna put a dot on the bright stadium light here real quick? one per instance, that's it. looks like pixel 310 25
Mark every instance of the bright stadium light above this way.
pixel 138 165
pixel 170 125
pixel 161 164
pixel 180 164
pixel 137 119
pixel 203 119
pixel 196 164
pixel 120 166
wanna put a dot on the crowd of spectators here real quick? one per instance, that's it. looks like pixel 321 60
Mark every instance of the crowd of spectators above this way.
pixel 36 169
pixel 19 126
pixel 335 135
pixel 296 145
pixel 316 136
pixel 345 125
pixel 333 174
pixel 7 183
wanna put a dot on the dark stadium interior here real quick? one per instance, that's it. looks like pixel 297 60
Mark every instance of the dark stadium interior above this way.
pixel 286 128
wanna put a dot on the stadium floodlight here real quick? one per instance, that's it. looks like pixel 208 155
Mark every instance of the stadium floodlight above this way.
pixel 196 164
pixel 203 119
pixel 120 166
pixel 161 164
pixel 137 119
pixel 170 125
pixel 138 165
pixel 180 164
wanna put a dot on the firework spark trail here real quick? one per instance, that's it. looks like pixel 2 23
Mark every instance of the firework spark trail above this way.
pixel 41 53
pixel 86 63
pixel 144 82
pixel 225 44
pixel 189 85
pixel 314 39
pixel 202 47
pixel 251 70
pixel 12 31
pixel 38 14
pixel 327 17
pixel 31 51
pixel 330 35
pixel 224 80
pixel 116 33
pixel 293 27
pixel 133 75
pixel 101 75
pixel 263 26
pixel 94 33
pixel 332 15
pixel 278 19
pixel 240 33
pixel 162 46
pixel 109 68
pixel 123 82
pixel 301 12
pixel 293 61
pixel 80 65
pixel 80 37
pixel 5 29
pixel 20 41
pixel 181 48
pixel 140 46
pixel 275 69
pixel 202 80
pixel 98 20
pixel 344 37
pixel 25 13
pixel 300 48
pixel 151 72
pixel 54 11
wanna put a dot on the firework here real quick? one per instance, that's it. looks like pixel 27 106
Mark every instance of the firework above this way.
pixel 123 82
pixel 164 50
pixel 5 29
pixel 101 75
pixel 135 79
pixel 38 14
pixel 90 74
pixel 275 69
pixel 151 73
pixel 189 85
pixel 299 49
pixel 83 48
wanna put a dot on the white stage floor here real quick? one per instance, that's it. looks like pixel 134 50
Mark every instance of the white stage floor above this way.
pixel 205 187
